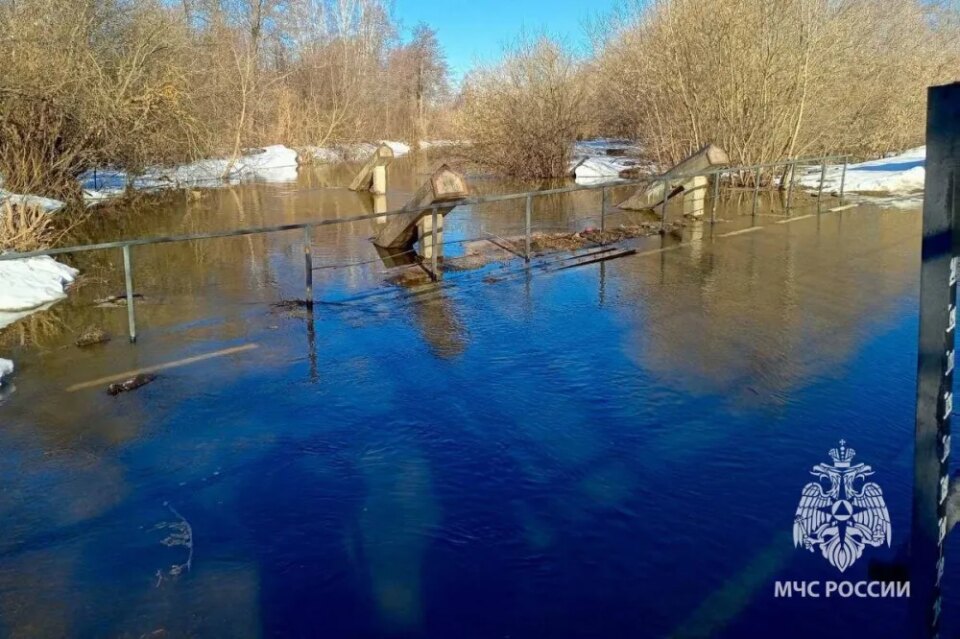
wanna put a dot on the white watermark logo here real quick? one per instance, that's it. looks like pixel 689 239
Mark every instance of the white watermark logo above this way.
pixel 843 518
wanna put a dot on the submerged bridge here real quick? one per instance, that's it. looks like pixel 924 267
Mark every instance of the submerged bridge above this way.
pixel 421 221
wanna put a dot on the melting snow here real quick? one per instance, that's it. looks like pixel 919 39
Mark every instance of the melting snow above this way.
pixel 31 283
pixel 899 174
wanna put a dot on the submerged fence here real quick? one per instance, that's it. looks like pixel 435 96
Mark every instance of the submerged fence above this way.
pixel 668 179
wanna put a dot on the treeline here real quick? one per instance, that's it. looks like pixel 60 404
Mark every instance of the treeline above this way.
pixel 764 80
pixel 130 83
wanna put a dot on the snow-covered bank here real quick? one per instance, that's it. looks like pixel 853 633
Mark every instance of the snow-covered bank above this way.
pixel 47 204
pixel 355 152
pixel 271 164
pixel 603 160
pixel 29 284
pixel 895 175
pixel 6 369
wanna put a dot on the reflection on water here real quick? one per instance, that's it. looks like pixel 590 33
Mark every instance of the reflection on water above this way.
pixel 603 451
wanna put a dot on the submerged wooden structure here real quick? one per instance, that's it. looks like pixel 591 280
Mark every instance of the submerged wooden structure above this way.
pixel 693 187
pixel 373 176
pixel 400 232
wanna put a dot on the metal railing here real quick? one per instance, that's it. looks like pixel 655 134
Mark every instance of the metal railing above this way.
pixel 668 179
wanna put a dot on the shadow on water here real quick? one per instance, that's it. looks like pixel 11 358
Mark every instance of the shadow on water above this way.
pixel 613 450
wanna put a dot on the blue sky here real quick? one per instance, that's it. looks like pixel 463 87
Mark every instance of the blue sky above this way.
pixel 476 30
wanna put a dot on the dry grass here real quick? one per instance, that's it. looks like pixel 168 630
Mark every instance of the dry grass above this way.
pixel 26 228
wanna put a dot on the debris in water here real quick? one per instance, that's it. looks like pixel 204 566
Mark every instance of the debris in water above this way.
pixel 131 384
pixel 92 336
pixel 116 301
pixel 181 534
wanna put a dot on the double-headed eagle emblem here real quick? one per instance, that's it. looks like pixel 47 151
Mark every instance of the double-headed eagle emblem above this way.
pixel 845 517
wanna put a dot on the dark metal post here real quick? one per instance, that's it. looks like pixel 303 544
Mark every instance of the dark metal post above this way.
pixel 529 216
pixel 128 281
pixel 756 191
pixel 935 369
pixel 716 197
pixel 823 176
pixel 793 172
pixel 434 246
pixel 308 263
pixel 843 178
pixel 663 207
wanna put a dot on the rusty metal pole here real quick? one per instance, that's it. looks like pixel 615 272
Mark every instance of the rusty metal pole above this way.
pixel 308 264
pixel 529 215
pixel 128 282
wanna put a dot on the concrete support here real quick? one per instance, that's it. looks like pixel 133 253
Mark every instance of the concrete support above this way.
pixel 380 206
pixel 445 186
pixel 650 197
pixel 379 186
pixel 373 175
pixel 429 239
pixel 695 196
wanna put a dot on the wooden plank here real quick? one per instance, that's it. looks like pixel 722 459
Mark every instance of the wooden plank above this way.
pixel 119 377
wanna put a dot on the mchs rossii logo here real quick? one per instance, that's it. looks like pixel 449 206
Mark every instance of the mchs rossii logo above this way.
pixel 841 513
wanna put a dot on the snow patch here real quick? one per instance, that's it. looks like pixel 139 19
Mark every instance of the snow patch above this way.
pixel 603 160
pixel 44 203
pixel 31 283
pixel 399 148
pixel 899 174
pixel 6 369
pixel 275 164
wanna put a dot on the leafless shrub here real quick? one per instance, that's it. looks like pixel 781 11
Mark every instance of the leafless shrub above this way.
pixel 523 114
pixel 769 80
pixel 88 83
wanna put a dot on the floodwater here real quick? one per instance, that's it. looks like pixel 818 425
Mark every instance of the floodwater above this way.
pixel 614 450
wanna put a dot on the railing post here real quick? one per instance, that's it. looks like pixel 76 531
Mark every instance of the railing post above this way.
pixel 716 197
pixel 603 211
pixel 528 216
pixel 793 173
pixel 128 282
pixel 843 178
pixel 756 191
pixel 823 177
pixel 308 263
pixel 663 206
pixel 434 247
